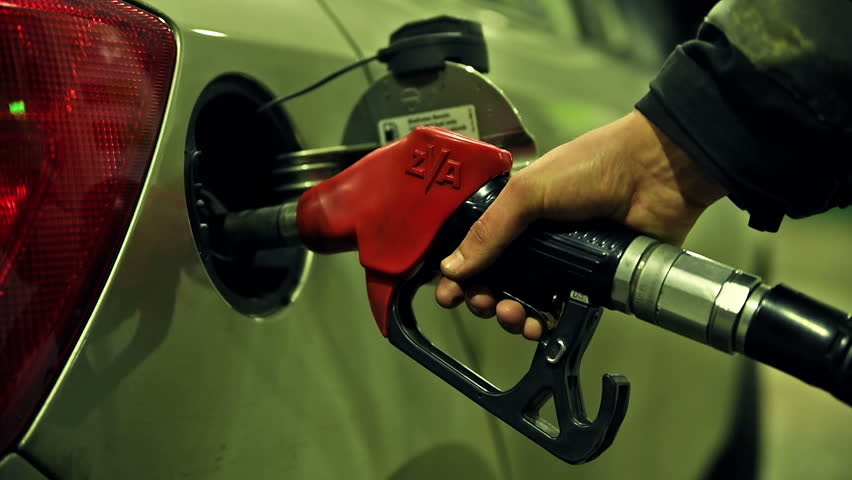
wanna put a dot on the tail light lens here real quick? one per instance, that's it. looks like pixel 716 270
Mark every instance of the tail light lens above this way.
pixel 83 88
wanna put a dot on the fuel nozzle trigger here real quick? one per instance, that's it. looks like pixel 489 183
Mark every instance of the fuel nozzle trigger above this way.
pixel 553 373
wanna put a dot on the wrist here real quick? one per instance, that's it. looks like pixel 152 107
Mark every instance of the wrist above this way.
pixel 667 163
pixel 661 161
pixel 669 189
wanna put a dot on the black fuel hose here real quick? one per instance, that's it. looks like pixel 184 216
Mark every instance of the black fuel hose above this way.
pixel 805 338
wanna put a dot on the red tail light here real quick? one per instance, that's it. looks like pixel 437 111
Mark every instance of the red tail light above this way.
pixel 83 88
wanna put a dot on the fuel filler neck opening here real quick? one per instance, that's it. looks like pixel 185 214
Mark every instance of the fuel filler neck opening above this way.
pixel 231 164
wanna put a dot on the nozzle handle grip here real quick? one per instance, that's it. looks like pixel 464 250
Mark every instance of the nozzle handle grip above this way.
pixel 540 269
pixel 548 258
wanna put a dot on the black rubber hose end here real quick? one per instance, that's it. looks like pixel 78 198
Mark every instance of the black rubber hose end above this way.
pixel 805 338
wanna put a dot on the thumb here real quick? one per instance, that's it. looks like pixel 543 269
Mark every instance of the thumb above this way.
pixel 502 222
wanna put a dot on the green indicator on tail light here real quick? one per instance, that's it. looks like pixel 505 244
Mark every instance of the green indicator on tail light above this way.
pixel 18 108
pixel 70 175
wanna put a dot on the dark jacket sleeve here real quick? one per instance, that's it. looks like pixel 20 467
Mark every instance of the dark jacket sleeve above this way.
pixel 762 99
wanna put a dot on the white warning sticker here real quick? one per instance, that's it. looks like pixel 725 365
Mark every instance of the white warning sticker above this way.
pixel 461 119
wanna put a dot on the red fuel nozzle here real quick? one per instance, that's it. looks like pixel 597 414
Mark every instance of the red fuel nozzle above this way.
pixel 390 205
pixel 407 203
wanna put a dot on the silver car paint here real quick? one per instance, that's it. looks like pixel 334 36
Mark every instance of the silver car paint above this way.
pixel 169 382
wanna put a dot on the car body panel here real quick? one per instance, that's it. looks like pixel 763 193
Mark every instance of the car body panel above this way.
pixel 168 381
pixel 15 467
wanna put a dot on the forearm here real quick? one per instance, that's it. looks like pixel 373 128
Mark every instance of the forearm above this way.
pixel 748 108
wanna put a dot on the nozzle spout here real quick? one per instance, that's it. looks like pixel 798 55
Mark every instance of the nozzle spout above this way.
pixel 262 228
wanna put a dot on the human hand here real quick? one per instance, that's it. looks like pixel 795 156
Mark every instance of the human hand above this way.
pixel 628 171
